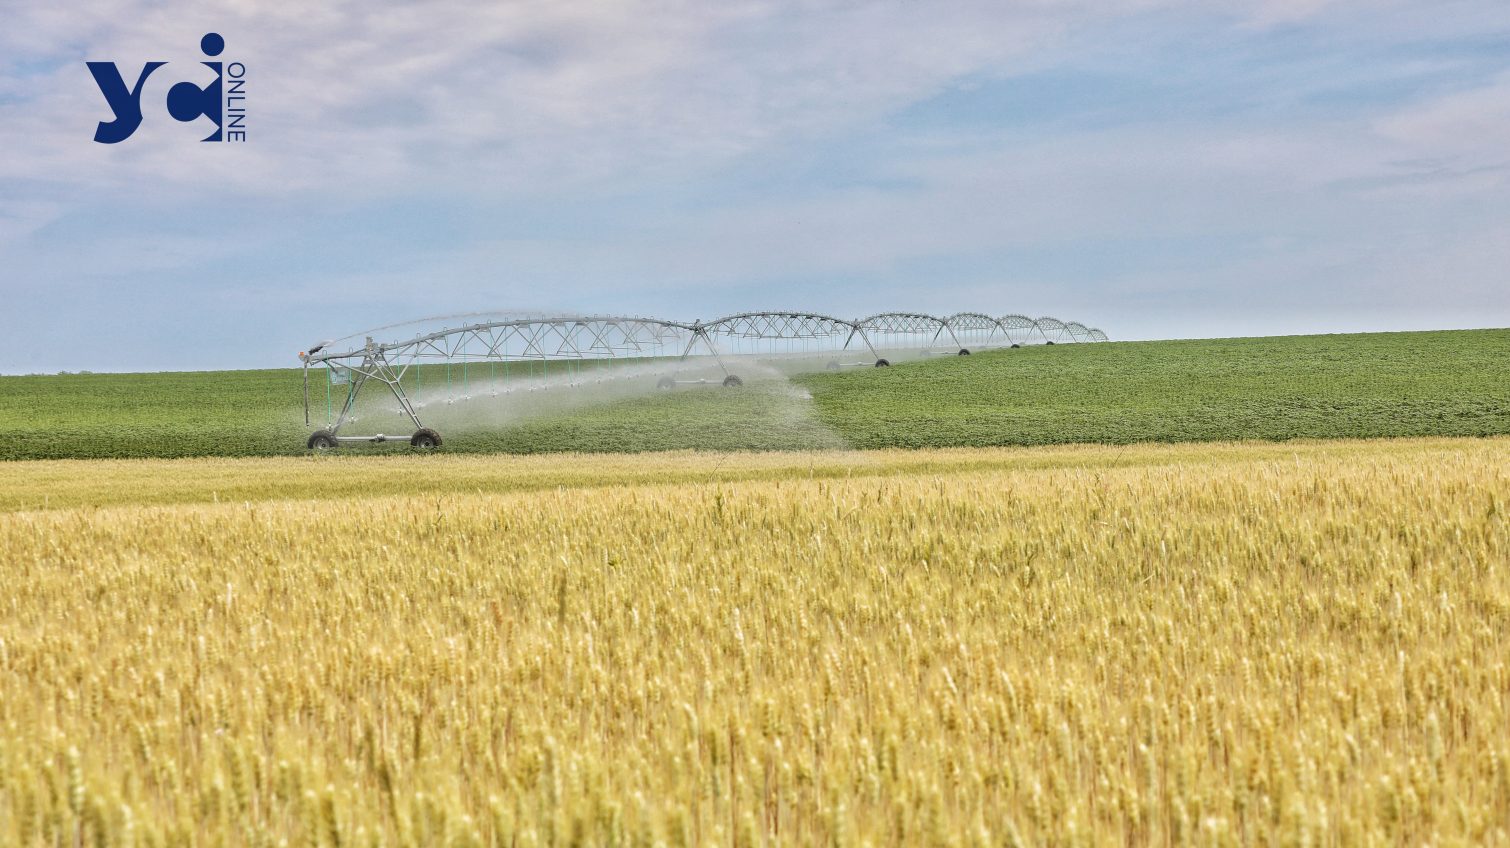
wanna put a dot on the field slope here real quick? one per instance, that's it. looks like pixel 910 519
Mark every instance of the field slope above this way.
pixel 1350 386
pixel 1452 383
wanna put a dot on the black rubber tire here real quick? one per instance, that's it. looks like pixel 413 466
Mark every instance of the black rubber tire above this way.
pixel 665 383
pixel 881 363
pixel 964 351
pixel 833 365
pixel 1016 346
pixel 1048 342
pixel 733 382
pixel 425 439
pixel 322 441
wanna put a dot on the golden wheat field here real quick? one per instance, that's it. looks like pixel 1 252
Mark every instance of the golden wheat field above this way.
pixel 1301 644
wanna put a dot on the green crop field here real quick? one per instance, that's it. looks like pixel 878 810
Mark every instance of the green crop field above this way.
pixel 1451 383
pixel 1367 385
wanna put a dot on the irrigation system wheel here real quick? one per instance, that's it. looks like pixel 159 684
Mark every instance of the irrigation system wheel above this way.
pixel 732 381
pixel 425 439
pixel 964 351
pixel 322 441
pixel 1049 342
pixel 1016 346
pixel 833 365
pixel 881 363
pixel 665 383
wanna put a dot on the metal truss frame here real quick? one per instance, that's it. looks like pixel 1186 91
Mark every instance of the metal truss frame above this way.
pixel 780 325
pixel 910 324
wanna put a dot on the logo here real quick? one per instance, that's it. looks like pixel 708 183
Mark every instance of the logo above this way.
pixel 223 100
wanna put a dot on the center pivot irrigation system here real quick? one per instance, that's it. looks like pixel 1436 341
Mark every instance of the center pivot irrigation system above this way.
pixel 482 343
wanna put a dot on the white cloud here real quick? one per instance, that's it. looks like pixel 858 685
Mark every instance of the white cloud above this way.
pixel 621 110
pixel 516 95
pixel 367 98
pixel 1466 129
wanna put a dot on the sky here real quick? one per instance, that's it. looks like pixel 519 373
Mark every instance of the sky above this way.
pixel 1154 168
